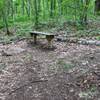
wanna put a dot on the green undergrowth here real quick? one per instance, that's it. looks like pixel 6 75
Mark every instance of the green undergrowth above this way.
pixel 89 93
pixel 22 25
pixel 65 65
pixel 2 66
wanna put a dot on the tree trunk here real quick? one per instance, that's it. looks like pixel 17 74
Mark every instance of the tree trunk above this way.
pixel 97 6
pixel 36 13
pixel 22 6
pixel 84 15
pixel 6 22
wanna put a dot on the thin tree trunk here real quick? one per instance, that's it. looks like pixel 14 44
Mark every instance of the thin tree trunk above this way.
pixel 22 6
pixel 12 9
pixel 36 13
pixel 97 6
pixel 5 22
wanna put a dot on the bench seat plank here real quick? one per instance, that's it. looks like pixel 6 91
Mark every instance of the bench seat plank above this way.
pixel 41 33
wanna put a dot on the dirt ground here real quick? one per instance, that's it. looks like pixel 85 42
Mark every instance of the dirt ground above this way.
pixel 32 72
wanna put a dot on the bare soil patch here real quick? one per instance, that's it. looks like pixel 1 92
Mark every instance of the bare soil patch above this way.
pixel 68 72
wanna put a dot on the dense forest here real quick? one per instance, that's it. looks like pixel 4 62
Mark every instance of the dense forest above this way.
pixel 49 49
pixel 45 11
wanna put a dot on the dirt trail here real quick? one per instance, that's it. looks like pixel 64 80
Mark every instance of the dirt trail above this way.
pixel 69 72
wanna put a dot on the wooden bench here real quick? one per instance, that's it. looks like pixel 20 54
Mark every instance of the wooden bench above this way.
pixel 49 36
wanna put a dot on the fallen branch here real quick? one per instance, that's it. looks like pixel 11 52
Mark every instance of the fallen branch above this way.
pixel 37 81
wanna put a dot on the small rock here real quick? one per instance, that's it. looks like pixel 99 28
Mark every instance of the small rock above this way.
pixel 79 42
pixel 61 39
pixel 97 43
pixel 91 42
pixel 30 87
pixel 85 63
pixel 84 42
pixel 71 90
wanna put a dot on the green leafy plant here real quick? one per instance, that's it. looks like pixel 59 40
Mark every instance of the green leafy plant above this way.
pixel 65 65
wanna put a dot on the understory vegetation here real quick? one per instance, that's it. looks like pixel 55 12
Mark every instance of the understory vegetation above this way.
pixel 47 14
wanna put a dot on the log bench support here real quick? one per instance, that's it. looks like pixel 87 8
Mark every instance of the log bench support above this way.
pixel 49 37
pixel 35 38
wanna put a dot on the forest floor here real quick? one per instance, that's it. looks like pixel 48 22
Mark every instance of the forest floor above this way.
pixel 69 71
pixel 31 72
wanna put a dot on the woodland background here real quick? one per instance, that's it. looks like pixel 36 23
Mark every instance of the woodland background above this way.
pixel 39 13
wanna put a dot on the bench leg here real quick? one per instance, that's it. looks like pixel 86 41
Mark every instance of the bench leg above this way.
pixel 35 38
pixel 49 39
